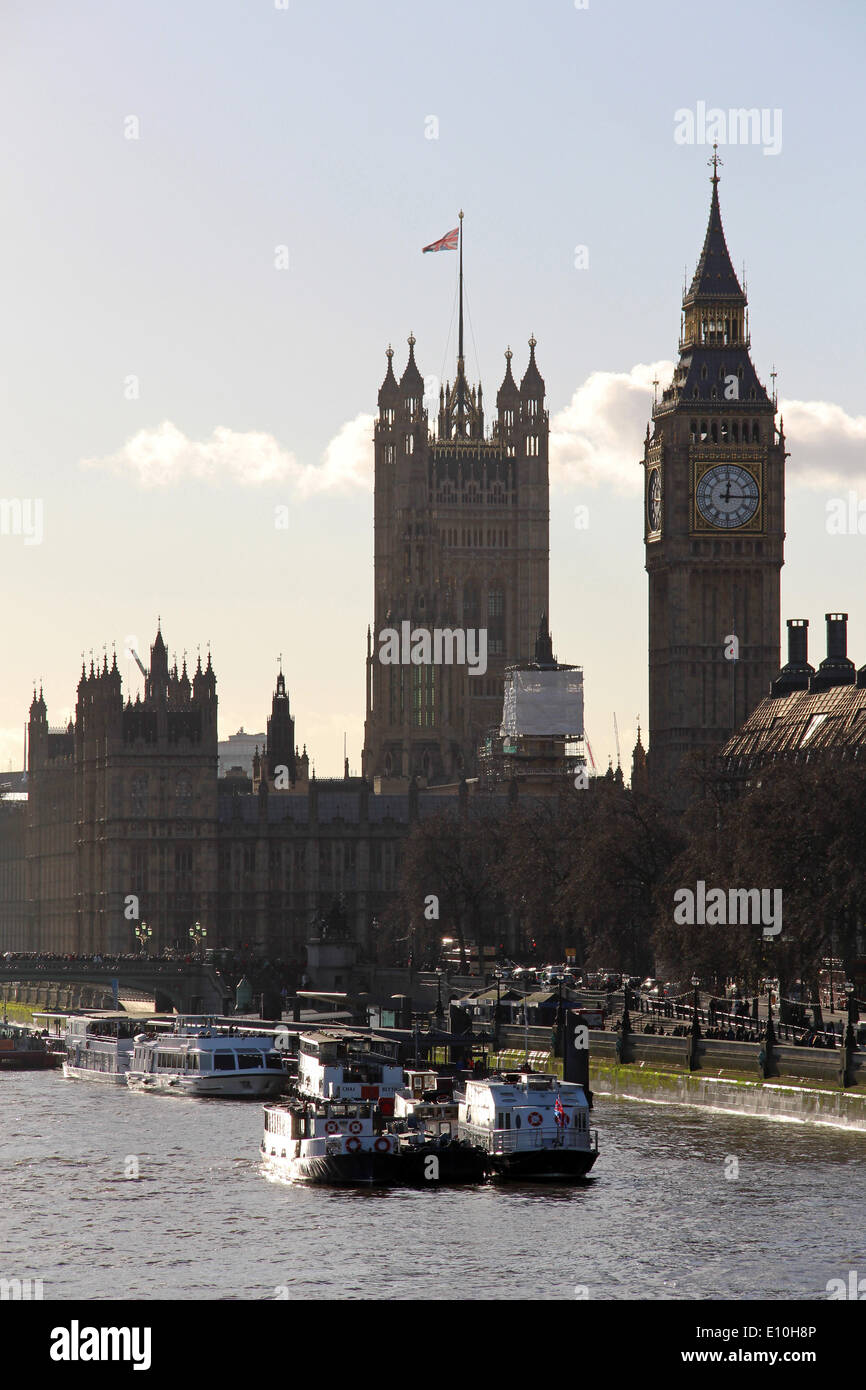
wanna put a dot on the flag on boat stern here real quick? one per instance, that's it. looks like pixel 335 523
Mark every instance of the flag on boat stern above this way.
pixel 448 242
pixel 559 1111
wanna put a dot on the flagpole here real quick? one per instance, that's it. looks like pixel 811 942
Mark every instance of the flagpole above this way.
pixel 461 385
pixel 460 329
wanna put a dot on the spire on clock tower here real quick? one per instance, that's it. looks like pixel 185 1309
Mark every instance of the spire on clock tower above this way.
pixel 714 305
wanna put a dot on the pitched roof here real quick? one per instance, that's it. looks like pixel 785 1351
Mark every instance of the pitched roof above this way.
pixel 715 277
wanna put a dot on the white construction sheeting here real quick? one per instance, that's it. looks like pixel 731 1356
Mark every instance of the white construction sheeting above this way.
pixel 543 702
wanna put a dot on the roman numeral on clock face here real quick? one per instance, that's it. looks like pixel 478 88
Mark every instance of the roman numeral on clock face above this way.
pixel 727 496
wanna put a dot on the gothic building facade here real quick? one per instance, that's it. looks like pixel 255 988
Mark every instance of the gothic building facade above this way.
pixel 122 811
pixel 714 525
pixel 126 822
pixel 461 543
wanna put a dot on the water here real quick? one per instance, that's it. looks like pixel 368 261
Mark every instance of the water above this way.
pixel 660 1220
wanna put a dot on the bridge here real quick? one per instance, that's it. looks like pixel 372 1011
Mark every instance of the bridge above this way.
pixel 190 988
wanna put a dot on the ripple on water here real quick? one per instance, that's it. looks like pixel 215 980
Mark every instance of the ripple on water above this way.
pixel 657 1220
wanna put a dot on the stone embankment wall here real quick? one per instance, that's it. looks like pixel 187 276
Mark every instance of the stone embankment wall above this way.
pixel 795 1083
pixel 64 997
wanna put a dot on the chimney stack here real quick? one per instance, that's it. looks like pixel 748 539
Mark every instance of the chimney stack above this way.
pixel 795 675
pixel 836 668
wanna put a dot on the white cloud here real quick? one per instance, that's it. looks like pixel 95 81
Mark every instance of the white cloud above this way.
pixel 827 446
pixel 165 456
pixel 598 437
pixel 596 440
pixel 348 460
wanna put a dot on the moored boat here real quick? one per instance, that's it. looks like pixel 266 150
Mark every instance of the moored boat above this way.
pixel 23 1050
pixel 352 1144
pixel 529 1125
pixel 99 1047
pixel 328 1142
pixel 198 1058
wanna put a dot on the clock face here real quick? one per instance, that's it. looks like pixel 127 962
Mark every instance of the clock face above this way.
pixel 727 496
pixel 654 501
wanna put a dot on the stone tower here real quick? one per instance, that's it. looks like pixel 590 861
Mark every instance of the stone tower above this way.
pixel 714 525
pixel 461 542
pixel 281 737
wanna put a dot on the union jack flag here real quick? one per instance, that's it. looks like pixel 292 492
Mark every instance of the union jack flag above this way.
pixel 559 1112
pixel 448 242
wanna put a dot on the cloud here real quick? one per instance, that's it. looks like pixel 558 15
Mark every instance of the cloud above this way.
pixel 165 456
pixel 827 446
pixel 597 438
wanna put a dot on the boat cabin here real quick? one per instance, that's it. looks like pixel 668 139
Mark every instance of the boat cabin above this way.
pixel 524 1110
pixel 333 1066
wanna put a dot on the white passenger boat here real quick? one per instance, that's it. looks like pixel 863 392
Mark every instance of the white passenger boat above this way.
pixel 99 1046
pixel 328 1142
pixel 197 1058
pixel 529 1125
pixel 351 1143
pixel 347 1067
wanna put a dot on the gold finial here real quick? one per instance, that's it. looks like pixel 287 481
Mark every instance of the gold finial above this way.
pixel 411 339
pixel 508 353
pixel 715 161
pixel 389 352
pixel 532 341
pixel 460 214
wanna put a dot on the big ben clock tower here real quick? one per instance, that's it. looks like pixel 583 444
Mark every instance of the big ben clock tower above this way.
pixel 714 526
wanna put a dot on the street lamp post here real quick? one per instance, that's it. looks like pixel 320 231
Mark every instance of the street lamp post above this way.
pixel 695 1004
pixel 143 933
pixel 440 1011
pixel 850 1041
pixel 198 933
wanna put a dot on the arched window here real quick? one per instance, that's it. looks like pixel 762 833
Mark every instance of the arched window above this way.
pixel 471 606
pixel 183 794
pixel 495 621
pixel 139 795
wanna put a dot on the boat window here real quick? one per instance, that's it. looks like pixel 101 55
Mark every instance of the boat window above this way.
pixel 224 1061
pixel 273 1061
pixel 516 1121
pixel 249 1061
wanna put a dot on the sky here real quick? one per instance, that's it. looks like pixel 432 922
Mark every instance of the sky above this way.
pixel 211 225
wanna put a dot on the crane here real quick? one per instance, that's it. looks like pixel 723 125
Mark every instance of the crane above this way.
pixel 138 661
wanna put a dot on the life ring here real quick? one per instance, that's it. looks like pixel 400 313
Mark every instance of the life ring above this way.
pixel 355 1126
pixel 382 1145
pixel 353 1144
pixel 332 1127
pixel 533 1118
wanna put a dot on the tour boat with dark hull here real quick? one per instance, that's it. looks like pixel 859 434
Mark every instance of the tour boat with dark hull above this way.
pixel 529 1126
pixel 23 1050
pixel 99 1047
pixel 198 1058
pixel 353 1145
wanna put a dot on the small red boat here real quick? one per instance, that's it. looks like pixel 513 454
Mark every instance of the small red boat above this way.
pixel 23 1050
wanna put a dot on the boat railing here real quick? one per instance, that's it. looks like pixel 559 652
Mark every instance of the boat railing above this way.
pixel 506 1141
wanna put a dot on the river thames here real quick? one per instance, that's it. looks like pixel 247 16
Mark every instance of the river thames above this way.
pixel 684 1204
